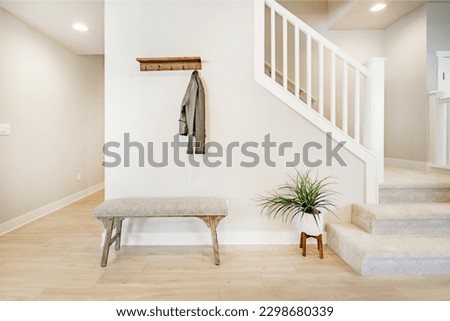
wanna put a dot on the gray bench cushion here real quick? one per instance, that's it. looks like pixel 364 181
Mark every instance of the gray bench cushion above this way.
pixel 162 206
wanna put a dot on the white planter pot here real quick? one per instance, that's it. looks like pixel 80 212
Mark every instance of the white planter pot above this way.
pixel 311 226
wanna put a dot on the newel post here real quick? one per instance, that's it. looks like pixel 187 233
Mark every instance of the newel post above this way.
pixel 438 154
pixel 373 136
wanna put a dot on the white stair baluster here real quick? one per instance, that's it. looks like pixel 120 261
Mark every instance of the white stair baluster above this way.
pixel 345 98
pixel 285 54
pixel 357 114
pixel 333 89
pixel 296 62
pixel 272 44
pixel 308 71
pixel 321 81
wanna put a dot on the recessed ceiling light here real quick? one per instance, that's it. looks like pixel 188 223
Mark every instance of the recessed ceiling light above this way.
pixel 378 7
pixel 80 27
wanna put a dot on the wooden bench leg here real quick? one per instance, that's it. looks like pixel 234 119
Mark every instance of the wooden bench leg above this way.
pixel 215 245
pixel 118 234
pixel 107 241
pixel 212 222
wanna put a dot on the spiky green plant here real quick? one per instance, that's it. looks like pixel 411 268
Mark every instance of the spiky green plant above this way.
pixel 301 195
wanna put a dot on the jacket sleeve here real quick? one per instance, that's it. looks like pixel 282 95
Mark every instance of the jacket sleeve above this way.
pixel 200 132
pixel 187 113
pixel 182 121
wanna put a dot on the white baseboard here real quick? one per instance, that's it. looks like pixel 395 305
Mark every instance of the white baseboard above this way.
pixel 404 163
pixel 225 238
pixel 47 209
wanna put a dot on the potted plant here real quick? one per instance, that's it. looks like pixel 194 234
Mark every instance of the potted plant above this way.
pixel 302 196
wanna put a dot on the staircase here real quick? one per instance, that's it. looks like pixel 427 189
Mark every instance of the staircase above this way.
pixel 407 233
pixel 324 84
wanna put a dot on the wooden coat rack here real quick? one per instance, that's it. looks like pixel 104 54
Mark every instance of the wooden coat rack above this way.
pixel 170 63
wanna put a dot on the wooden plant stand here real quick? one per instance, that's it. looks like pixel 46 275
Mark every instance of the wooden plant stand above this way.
pixel 304 236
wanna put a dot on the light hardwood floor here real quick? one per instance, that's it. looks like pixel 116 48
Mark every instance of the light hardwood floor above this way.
pixel 57 258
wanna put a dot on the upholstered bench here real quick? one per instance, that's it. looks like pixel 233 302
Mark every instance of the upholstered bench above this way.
pixel 112 212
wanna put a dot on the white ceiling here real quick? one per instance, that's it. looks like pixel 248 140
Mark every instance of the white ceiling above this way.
pixel 359 15
pixel 55 19
pixel 351 14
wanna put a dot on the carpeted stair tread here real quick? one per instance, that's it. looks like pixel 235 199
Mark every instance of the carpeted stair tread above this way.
pixel 396 177
pixel 406 211
pixel 370 254
pixel 402 218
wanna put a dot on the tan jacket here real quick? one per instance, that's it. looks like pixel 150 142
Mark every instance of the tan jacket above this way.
pixel 192 116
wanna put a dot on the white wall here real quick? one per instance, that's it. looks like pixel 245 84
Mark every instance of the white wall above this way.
pixel 360 44
pixel 53 100
pixel 406 87
pixel 146 105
